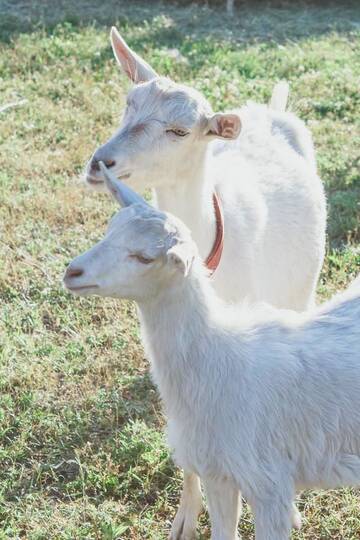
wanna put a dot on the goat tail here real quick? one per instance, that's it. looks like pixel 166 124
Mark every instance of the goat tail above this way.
pixel 279 97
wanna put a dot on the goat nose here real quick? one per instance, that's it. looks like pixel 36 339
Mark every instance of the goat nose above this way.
pixel 95 163
pixel 72 272
pixel 109 163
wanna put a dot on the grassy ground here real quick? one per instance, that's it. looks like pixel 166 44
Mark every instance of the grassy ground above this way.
pixel 82 455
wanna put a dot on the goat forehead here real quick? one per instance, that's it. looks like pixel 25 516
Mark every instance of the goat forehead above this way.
pixel 138 226
pixel 168 101
pixel 136 220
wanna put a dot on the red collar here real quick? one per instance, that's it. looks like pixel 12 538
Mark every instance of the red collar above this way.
pixel 213 260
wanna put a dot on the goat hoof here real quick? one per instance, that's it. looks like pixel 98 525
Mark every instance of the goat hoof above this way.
pixel 180 535
pixel 189 536
pixel 296 518
pixel 180 530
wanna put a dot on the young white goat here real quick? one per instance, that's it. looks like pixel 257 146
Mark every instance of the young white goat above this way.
pixel 272 199
pixel 257 399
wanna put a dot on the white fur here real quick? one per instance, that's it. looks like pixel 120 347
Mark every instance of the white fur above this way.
pixel 272 198
pixel 258 399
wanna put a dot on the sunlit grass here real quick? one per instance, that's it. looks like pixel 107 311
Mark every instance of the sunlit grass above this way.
pixel 82 455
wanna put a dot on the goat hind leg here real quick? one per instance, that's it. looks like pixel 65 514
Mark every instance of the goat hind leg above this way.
pixel 345 471
pixel 273 518
pixel 184 524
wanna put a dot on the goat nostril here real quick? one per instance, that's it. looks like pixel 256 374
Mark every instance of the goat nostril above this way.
pixel 109 163
pixel 94 165
pixel 74 272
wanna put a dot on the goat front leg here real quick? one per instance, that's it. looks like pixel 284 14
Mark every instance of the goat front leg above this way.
pixel 224 503
pixel 184 525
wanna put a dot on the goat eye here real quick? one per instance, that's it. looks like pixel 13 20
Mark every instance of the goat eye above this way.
pixel 178 131
pixel 141 259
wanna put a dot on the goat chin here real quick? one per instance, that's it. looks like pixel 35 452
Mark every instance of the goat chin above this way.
pixel 95 184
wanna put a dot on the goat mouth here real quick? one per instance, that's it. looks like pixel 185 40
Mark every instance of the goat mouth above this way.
pixel 121 176
pixel 124 176
pixel 92 180
pixel 82 288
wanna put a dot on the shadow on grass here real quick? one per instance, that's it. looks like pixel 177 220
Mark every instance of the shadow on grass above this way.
pixel 252 21
pixel 113 449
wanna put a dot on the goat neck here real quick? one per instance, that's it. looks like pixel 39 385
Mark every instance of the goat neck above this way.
pixel 173 325
pixel 190 197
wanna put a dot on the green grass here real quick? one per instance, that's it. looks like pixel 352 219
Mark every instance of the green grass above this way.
pixel 82 455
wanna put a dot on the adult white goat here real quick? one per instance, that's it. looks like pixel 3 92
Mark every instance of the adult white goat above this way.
pixel 257 399
pixel 271 197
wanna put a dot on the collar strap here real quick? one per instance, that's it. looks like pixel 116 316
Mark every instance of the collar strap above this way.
pixel 213 260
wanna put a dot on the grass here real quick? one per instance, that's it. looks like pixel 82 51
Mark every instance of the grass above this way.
pixel 82 455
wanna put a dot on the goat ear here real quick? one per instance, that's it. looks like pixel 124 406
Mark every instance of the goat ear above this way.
pixel 224 126
pixel 181 257
pixel 124 195
pixel 135 67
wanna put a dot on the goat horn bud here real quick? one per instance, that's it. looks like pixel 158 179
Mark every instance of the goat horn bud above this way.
pixel 121 192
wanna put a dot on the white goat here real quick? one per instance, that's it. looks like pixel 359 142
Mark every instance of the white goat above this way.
pixel 272 199
pixel 257 399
